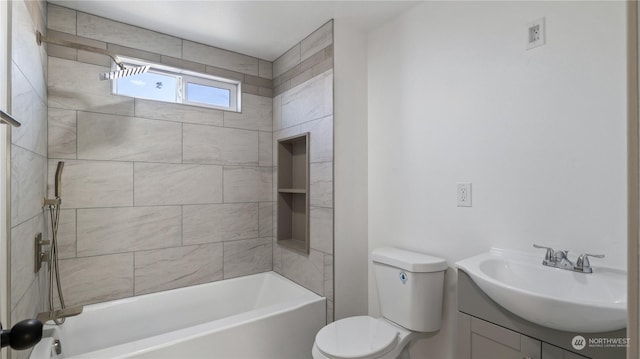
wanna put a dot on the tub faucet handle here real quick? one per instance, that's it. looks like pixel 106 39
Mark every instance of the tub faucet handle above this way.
pixel 583 265
pixel 549 256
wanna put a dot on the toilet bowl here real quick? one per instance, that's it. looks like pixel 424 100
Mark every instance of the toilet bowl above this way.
pixel 410 288
pixel 362 337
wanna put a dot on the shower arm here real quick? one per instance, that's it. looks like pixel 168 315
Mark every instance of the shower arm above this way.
pixel 41 38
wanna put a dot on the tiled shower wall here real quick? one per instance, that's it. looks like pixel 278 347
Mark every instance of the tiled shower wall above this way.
pixel 28 160
pixel 303 82
pixel 155 195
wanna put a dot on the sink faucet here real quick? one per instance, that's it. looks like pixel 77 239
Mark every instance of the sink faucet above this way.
pixel 559 259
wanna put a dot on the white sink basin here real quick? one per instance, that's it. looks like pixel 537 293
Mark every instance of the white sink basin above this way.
pixel 551 297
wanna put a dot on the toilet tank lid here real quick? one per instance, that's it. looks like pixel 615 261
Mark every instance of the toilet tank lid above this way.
pixel 410 261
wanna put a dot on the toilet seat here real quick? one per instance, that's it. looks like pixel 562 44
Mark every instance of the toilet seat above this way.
pixel 360 337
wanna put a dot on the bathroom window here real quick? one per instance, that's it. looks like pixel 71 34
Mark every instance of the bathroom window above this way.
pixel 170 84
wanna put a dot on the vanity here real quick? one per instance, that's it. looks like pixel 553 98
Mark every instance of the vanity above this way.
pixel 574 327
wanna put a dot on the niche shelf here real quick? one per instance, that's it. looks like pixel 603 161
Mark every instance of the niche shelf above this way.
pixel 293 193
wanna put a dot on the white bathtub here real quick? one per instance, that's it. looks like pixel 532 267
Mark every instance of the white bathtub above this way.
pixel 257 316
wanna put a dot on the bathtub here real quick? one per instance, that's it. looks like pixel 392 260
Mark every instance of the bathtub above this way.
pixel 258 316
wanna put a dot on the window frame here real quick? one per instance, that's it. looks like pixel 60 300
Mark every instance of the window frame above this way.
pixel 184 77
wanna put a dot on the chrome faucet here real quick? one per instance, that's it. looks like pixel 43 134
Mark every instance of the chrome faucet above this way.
pixel 559 259
pixel 583 265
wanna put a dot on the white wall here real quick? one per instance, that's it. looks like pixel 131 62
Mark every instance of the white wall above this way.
pixel 350 156
pixel 454 96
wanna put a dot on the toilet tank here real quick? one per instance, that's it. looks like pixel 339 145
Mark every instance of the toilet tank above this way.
pixel 410 287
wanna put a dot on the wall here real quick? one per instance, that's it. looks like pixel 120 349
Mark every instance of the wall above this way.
pixel 5 157
pixel 28 159
pixel 350 153
pixel 155 195
pixel 454 96
pixel 303 80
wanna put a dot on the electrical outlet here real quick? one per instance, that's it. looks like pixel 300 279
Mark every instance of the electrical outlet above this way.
pixel 464 194
pixel 535 33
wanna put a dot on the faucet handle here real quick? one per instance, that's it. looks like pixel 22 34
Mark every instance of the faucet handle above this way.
pixel 583 265
pixel 550 252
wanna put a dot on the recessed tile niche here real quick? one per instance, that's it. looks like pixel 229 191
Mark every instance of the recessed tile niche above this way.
pixel 293 193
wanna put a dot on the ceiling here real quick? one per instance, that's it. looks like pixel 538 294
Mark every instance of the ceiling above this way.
pixel 264 29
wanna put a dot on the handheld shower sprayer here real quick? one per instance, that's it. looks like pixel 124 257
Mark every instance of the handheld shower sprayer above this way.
pixel 57 315
pixel 58 179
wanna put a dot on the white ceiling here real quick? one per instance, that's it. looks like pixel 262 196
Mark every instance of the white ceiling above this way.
pixel 264 29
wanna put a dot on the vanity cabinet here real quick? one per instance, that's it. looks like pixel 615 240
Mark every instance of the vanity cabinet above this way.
pixel 479 339
pixel 487 330
pixel 552 352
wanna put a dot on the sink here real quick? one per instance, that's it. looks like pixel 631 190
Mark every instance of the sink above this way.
pixel 551 297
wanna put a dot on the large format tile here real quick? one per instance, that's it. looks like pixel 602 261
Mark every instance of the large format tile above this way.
pixel 28 183
pixel 287 61
pixel 277 113
pixel 25 51
pixel 219 145
pixel 163 269
pixel 309 101
pixel 97 279
pixel 61 19
pixel 66 235
pixel 99 28
pixel 166 184
pixel 307 271
pixel 183 64
pixel 135 53
pixel 22 260
pixel 31 111
pixel 321 229
pixel 256 114
pixel 177 112
pixel 126 229
pixel 265 69
pixel 321 184
pixel 219 222
pixel 30 304
pixel 109 137
pixel 213 56
pixel 266 149
pixel 321 146
pixel 267 210
pixel 328 276
pixel 248 184
pixel 76 86
pixel 62 133
pixel 89 184
pixel 247 256
pixel 277 257
pixel 70 53
pixel 317 41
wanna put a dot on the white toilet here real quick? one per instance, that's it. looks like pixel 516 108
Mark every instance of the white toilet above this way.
pixel 410 289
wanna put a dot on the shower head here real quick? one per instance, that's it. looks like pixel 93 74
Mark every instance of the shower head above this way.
pixel 124 72
pixel 58 179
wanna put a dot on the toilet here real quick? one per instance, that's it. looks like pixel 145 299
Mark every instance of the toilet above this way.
pixel 410 287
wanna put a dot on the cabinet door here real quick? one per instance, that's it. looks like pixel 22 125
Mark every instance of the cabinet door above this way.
pixel 492 341
pixel 552 352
